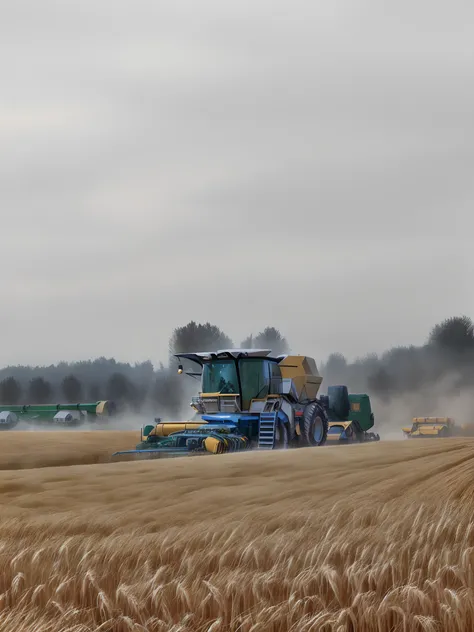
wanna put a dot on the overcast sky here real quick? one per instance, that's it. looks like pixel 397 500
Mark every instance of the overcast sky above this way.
pixel 305 164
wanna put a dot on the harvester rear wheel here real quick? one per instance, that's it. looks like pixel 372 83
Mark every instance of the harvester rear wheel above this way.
pixel 315 425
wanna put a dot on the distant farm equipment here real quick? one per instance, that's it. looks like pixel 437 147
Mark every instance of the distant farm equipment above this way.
pixel 58 414
pixel 437 427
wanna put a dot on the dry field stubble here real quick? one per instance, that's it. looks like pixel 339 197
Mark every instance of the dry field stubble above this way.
pixel 30 449
pixel 375 537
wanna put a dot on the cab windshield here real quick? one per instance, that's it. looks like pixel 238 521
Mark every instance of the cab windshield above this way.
pixel 255 380
pixel 258 377
pixel 220 376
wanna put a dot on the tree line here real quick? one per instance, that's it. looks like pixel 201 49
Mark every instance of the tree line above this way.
pixel 447 353
pixel 445 362
pixel 137 387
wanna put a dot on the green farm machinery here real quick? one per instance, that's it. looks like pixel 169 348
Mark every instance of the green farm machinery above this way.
pixel 56 414
pixel 350 416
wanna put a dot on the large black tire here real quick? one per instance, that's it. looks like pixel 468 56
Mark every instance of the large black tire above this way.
pixel 314 426
pixel 281 436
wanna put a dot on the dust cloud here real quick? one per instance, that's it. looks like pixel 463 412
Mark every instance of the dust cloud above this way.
pixel 441 399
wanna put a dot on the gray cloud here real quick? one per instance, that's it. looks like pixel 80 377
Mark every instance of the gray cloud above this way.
pixel 304 164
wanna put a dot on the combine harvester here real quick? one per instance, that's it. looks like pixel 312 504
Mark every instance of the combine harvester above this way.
pixel 249 399
pixel 437 427
pixel 58 414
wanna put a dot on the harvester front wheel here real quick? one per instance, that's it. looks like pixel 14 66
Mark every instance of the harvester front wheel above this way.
pixel 315 425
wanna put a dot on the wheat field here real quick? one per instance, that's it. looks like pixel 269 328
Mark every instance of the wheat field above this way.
pixel 375 537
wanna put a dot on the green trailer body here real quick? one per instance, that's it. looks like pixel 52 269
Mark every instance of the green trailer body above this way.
pixel 47 412
pixel 361 411
pixel 350 415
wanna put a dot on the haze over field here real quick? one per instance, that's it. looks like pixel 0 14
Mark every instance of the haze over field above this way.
pixel 160 161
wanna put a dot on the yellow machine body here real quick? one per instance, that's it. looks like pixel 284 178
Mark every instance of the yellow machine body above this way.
pixel 302 370
pixel 344 426
pixel 103 408
pixel 165 428
pixel 212 445
pixel 430 427
pixel 222 444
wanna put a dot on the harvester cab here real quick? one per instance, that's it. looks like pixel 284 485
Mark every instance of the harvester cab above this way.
pixel 270 400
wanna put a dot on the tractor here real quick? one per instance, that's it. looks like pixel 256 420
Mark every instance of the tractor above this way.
pixel 251 399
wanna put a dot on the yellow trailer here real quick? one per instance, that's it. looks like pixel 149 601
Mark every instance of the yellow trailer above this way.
pixel 430 427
